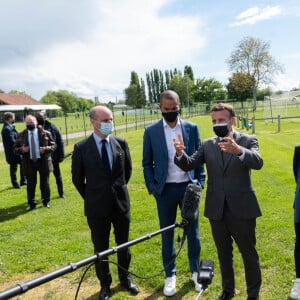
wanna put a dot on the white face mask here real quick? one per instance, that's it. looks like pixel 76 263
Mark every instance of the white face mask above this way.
pixel 106 128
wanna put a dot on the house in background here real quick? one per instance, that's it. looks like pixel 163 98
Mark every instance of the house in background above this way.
pixel 22 105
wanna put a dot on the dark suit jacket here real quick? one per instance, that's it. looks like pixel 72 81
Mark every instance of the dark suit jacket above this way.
pixel 45 141
pixel 231 180
pixel 9 136
pixel 155 155
pixel 102 193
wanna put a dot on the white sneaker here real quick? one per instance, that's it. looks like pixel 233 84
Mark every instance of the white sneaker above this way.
pixel 170 286
pixel 295 292
pixel 194 278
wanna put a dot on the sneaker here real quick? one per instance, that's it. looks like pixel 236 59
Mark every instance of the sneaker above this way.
pixel 194 278
pixel 170 286
pixel 295 292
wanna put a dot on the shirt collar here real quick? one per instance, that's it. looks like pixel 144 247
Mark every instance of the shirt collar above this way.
pixel 165 124
pixel 98 139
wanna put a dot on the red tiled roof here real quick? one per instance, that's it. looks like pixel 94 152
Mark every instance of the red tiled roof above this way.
pixel 17 99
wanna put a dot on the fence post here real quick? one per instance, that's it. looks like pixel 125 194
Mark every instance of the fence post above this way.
pixel 253 125
pixel 278 122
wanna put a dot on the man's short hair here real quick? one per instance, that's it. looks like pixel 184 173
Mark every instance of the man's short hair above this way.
pixel 169 94
pixel 224 106
pixel 8 115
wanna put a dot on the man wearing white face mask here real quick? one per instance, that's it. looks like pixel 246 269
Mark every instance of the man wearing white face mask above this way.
pixel 101 169
pixel 231 204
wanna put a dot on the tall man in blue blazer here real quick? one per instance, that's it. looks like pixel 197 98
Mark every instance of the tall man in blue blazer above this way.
pixel 167 183
pixel 231 204
pixel 101 169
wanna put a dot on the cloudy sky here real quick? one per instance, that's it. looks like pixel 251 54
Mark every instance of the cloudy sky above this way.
pixel 90 47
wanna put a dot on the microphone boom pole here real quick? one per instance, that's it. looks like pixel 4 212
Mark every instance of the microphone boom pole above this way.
pixel 25 286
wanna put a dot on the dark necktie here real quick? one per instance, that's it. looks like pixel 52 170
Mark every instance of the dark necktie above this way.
pixel 33 152
pixel 105 155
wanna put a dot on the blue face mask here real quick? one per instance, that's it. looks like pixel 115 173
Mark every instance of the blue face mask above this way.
pixel 106 128
pixel 30 127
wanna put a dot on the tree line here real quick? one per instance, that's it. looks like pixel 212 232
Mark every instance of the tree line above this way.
pixel 252 68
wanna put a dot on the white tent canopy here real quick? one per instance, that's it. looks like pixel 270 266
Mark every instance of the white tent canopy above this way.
pixel 29 107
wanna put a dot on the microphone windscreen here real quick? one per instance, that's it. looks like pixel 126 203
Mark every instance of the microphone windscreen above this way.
pixel 191 202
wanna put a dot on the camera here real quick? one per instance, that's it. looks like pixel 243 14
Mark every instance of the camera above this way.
pixel 206 273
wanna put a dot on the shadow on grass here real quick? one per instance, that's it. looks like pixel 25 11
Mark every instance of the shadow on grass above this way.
pixel 12 212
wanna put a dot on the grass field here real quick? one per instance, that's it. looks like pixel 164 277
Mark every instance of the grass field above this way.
pixel 41 241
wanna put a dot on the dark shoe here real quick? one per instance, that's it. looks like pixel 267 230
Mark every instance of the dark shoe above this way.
pixel 253 298
pixel 23 183
pixel 32 206
pixel 62 196
pixel 105 293
pixel 226 295
pixel 130 286
pixel 16 186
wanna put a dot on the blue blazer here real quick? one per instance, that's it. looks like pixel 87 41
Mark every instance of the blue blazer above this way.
pixel 155 155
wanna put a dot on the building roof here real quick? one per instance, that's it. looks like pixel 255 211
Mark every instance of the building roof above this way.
pixel 21 102
pixel 17 99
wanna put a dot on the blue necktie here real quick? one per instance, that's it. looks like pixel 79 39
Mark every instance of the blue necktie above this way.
pixel 104 156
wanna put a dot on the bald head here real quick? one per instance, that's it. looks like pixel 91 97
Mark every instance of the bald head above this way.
pixel 100 114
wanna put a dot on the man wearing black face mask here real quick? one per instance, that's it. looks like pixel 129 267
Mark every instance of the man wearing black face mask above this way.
pixel 35 145
pixel 167 183
pixel 231 204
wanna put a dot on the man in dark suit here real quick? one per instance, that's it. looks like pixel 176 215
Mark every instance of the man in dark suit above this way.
pixel 35 145
pixel 59 154
pixel 295 291
pixel 231 204
pixel 167 183
pixel 101 169
pixel 9 135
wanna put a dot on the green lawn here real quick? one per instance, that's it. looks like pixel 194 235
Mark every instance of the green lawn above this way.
pixel 41 241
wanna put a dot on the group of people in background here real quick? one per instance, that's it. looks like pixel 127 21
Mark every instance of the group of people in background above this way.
pixel 39 148
pixel 173 157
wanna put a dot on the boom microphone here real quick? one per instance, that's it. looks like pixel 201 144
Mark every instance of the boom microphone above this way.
pixel 190 204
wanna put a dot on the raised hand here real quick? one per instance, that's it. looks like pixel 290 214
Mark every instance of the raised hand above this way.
pixel 179 145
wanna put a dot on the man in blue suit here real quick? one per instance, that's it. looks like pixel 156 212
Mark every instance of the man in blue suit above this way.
pixel 167 183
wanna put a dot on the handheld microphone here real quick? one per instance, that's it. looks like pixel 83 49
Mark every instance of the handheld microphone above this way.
pixel 190 204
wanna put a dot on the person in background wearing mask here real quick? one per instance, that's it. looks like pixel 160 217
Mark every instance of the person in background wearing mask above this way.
pixel 101 169
pixel 295 292
pixel 167 183
pixel 35 145
pixel 9 135
pixel 231 204
pixel 59 154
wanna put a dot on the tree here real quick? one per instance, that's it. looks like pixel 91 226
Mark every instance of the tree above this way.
pixel 66 100
pixel 251 56
pixel 189 72
pixel 208 89
pixel 240 87
pixel 135 94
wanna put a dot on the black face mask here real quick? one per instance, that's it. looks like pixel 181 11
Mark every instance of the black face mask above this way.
pixel 221 130
pixel 170 116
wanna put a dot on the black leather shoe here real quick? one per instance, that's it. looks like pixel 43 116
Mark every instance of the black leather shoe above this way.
pixel 226 295
pixel 130 286
pixel 105 293
pixel 16 186
pixel 62 196
pixel 252 298
pixel 32 206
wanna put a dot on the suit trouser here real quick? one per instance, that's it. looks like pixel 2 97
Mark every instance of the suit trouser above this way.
pixel 13 167
pixel 58 178
pixel 167 204
pixel 32 180
pixel 100 230
pixel 297 250
pixel 242 232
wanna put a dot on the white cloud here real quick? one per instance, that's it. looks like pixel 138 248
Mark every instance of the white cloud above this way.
pixel 126 36
pixel 255 14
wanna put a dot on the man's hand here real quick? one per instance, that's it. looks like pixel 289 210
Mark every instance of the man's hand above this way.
pixel 230 146
pixel 178 144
